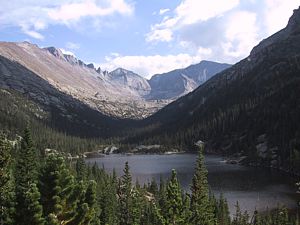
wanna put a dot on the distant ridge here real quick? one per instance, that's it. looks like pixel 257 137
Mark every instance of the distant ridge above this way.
pixel 119 93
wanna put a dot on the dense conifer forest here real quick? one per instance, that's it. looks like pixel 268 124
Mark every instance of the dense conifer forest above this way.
pixel 50 189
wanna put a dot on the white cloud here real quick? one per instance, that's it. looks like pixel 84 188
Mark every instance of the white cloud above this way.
pixel 71 12
pixel 163 11
pixel 188 12
pixel 31 33
pixel 163 35
pixel 277 13
pixel 153 64
pixel 229 28
pixel 192 11
pixel 241 34
pixel 72 45
pixel 34 16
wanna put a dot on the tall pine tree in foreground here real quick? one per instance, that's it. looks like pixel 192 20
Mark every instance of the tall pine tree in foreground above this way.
pixel 56 185
pixel 125 200
pixel 201 209
pixel 223 215
pixel 171 211
pixel 174 203
pixel 28 207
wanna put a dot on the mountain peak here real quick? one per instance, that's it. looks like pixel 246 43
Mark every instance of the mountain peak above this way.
pixel 294 21
pixel 120 70
pixel 56 52
pixel 123 72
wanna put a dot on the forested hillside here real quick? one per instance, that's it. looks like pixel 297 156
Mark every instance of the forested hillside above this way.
pixel 17 112
pixel 252 108
pixel 49 189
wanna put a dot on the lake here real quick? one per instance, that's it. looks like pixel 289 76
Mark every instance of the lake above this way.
pixel 258 188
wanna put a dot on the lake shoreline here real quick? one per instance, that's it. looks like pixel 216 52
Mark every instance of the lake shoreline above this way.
pixel 252 187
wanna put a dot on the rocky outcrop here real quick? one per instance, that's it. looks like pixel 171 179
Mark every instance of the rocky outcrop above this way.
pixel 98 89
pixel 130 80
pixel 177 83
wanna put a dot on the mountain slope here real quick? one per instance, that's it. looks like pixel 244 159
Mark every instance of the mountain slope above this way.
pixel 64 112
pixel 120 93
pixel 252 108
pixel 179 82
pixel 131 80
pixel 82 81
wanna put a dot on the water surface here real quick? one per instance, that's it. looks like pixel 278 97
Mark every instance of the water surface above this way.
pixel 258 188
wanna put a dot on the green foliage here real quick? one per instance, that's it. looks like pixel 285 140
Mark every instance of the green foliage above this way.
pixel 6 190
pixel 222 211
pixel 201 208
pixel 174 203
pixel 81 169
pixel 17 111
pixel 55 192
pixel 34 210
pixel 27 195
pixel 239 217
pixel 125 197
pixel 56 185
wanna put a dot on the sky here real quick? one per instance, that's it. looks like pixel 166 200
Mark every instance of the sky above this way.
pixel 145 36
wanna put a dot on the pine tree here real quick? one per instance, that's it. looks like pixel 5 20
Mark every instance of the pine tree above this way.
pixel 5 182
pixel 90 200
pixel 81 207
pixel 137 207
pixel 223 215
pixel 108 202
pixel 56 185
pixel 202 211
pixel 26 179
pixel 34 210
pixel 81 169
pixel 174 203
pixel 125 201
pixel 186 209
pixel 239 217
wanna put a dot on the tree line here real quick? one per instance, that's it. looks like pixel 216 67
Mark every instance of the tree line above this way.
pixel 51 190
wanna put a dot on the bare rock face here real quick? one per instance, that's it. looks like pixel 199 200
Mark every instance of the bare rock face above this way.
pixel 56 52
pixel 177 83
pixel 131 80
pixel 120 93
pixel 82 81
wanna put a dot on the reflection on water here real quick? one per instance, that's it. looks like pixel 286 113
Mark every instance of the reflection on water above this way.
pixel 252 187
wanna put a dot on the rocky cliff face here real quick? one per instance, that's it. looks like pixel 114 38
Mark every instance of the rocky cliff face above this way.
pixel 120 93
pixel 130 80
pixel 98 89
pixel 179 82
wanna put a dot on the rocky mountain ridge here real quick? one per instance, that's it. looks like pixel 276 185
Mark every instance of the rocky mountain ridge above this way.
pixel 176 83
pixel 120 93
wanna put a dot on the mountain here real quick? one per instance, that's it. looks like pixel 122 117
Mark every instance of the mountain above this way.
pixel 102 91
pixel 179 82
pixel 250 109
pixel 48 105
pixel 129 79
pixel 120 93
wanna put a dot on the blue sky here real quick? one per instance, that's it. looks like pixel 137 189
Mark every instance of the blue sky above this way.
pixel 147 37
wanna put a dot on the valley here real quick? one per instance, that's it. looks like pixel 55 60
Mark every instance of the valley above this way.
pixel 196 142
pixel 119 93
